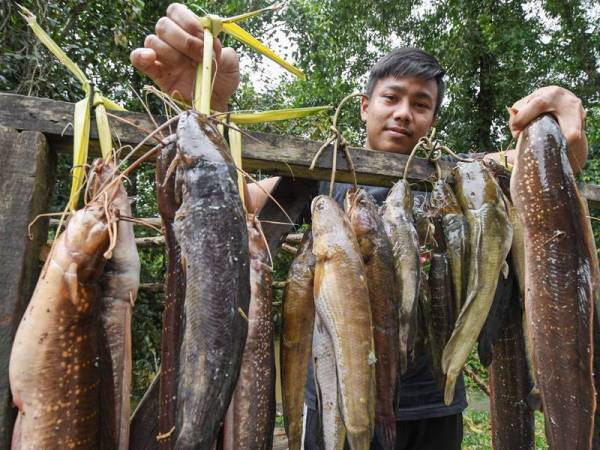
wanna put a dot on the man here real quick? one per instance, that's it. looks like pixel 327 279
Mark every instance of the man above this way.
pixel 404 94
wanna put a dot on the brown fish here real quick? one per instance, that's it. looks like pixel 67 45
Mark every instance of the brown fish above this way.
pixel 437 308
pixel 251 414
pixel 172 321
pixel 297 325
pixel 378 259
pixel 210 227
pixel 560 278
pixel 490 238
pixel 513 425
pixel 342 303
pixel 399 225
pixel 119 285
pixel 456 235
pixel 54 365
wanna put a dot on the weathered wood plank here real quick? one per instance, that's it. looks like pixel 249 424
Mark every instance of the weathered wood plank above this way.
pixel 26 181
pixel 144 420
pixel 272 154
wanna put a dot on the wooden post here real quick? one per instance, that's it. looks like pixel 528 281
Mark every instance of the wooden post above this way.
pixel 26 180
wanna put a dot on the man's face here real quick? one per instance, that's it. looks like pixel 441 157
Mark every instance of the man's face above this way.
pixel 398 113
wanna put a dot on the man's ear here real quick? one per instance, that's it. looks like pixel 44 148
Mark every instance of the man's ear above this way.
pixel 364 104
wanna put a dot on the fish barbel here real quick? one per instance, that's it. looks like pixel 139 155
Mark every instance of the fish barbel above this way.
pixel 490 238
pixel 560 279
pixel 397 213
pixel 378 259
pixel 210 228
pixel 297 325
pixel 342 303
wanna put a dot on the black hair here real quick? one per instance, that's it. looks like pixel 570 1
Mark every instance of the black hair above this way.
pixel 409 61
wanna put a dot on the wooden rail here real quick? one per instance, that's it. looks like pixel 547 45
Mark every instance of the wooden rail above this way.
pixel 271 154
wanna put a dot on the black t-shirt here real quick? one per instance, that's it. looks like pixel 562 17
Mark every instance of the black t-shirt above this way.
pixel 420 396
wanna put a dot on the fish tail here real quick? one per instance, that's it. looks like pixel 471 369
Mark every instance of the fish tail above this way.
pixel 385 432
pixel 450 385
pixel 359 440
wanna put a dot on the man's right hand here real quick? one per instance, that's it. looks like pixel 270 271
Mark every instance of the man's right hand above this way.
pixel 170 57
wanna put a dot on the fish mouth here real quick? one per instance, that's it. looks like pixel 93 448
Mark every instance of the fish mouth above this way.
pixel 317 203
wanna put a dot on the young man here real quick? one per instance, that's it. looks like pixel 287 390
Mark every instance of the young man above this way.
pixel 404 94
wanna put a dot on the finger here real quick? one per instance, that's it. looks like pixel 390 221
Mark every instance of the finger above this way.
pixel 166 54
pixel 529 111
pixel 229 62
pixel 189 22
pixel 571 126
pixel 175 36
pixel 142 58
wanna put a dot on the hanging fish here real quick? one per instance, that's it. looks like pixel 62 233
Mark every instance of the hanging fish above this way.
pixel 560 280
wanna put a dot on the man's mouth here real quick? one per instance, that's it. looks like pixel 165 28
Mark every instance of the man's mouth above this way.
pixel 398 131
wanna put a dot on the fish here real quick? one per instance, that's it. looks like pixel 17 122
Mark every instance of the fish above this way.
pixel 497 317
pixel 490 238
pixel 437 305
pixel 560 281
pixel 332 429
pixel 250 419
pixel 297 324
pixel 400 227
pixel 54 367
pixel 378 259
pixel 210 227
pixel 423 224
pixel 172 319
pixel 512 421
pixel 119 285
pixel 455 229
pixel 342 303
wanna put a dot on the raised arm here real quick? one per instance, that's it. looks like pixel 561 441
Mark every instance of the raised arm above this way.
pixel 567 109
pixel 170 57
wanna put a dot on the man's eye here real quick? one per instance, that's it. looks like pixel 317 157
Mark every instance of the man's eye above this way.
pixel 423 105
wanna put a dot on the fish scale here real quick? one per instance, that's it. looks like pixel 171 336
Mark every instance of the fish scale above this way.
pixel 560 278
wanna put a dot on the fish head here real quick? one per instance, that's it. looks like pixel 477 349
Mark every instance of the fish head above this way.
pixel 362 212
pixel 400 196
pixel 474 184
pixel 328 220
pixel 198 140
pixel 87 230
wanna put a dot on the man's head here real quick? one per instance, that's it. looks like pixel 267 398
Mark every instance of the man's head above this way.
pixel 404 93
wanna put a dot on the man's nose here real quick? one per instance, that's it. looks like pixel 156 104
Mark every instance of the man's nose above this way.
pixel 402 112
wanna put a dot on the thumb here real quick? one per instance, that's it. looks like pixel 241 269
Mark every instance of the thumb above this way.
pixel 514 121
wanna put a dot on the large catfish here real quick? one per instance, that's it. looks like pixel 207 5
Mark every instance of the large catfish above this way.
pixel 490 238
pixel 119 285
pixel 560 278
pixel 210 227
pixel 399 225
pixel 378 258
pixel 250 419
pixel 342 303
pixel 174 299
pixel 297 325
pixel 54 364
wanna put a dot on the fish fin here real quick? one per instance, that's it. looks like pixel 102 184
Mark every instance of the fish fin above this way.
pixel 505 269
pixel 71 283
